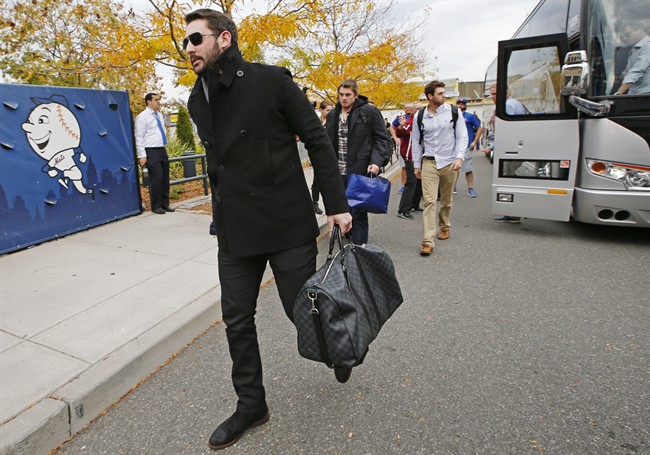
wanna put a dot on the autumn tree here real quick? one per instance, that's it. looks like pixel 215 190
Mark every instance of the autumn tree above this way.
pixel 321 41
pixel 333 40
pixel 77 43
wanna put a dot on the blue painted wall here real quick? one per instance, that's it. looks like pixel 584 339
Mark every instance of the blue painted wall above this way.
pixel 67 162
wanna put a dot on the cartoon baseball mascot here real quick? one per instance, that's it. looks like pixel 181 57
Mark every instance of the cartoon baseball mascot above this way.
pixel 53 133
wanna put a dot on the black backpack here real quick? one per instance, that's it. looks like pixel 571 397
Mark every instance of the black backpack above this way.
pixel 420 115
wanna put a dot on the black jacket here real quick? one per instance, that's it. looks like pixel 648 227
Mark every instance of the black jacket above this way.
pixel 261 200
pixel 368 140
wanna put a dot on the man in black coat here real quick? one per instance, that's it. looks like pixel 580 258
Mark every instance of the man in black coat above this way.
pixel 248 116
pixel 362 144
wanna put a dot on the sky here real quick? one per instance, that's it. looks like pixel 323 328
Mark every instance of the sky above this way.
pixel 462 34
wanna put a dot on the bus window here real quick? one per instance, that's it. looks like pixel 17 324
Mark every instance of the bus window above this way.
pixel 616 29
pixel 573 21
pixel 490 78
pixel 533 82
pixel 548 18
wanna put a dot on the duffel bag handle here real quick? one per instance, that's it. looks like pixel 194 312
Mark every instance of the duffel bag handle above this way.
pixel 336 237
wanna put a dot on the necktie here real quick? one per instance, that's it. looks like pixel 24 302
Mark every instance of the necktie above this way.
pixel 160 127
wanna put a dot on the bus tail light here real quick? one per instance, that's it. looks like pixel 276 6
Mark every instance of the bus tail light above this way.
pixel 632 176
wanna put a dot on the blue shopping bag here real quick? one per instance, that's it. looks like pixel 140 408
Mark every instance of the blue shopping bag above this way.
pixel 368 193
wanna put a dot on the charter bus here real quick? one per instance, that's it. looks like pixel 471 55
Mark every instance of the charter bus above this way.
pixel 579 147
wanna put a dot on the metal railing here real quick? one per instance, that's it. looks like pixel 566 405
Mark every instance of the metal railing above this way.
pixel 203 176
pixel 185 158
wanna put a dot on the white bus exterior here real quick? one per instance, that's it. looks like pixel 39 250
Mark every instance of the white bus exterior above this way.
pixel 581 149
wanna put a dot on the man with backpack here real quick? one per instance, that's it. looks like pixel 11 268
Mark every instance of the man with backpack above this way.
pixel 439 141
pixel 361 142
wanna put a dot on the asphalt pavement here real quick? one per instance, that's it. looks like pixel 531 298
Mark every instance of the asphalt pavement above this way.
pixel 513 338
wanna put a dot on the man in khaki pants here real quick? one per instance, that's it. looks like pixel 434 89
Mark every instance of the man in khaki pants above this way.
pixel 438 149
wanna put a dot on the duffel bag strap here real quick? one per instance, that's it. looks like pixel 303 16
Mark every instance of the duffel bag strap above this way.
pixel 336 237
pixel 315 315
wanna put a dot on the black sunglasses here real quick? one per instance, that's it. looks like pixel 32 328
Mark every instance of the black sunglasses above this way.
pixel 196 38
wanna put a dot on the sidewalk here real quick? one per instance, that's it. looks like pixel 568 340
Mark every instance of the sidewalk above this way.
pixel 87 317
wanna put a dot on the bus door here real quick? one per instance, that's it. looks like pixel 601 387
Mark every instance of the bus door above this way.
pixel 536 131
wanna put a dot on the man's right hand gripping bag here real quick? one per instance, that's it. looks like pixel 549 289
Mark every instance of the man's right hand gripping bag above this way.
pixel 342 307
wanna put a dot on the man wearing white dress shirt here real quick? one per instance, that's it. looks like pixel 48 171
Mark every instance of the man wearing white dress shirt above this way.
pixel 150 142
pixel 437 159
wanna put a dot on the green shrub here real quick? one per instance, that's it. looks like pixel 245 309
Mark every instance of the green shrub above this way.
pixel 184 131
pixel 175 148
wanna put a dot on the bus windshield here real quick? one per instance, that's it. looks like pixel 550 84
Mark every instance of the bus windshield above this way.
pixel 618 46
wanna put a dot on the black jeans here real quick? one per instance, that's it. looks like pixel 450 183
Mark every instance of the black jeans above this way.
pixel 158 165
pixel 407 201
pixel 240 285
pixel 360 225
pixel 418 193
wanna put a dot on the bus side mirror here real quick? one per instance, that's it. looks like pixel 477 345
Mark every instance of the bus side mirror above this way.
pixel 575 74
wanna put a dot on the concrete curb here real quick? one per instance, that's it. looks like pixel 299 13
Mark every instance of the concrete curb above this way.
pixel 53 420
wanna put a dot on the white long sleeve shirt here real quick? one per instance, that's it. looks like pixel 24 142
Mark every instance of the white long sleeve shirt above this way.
pixel 637 71
pixel 147 133
pixel 440 140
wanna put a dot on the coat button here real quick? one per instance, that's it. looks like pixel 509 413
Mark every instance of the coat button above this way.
pixel 240 73
pixel 253 196
pixel 206 143
pixel 243 133
pixel 220 168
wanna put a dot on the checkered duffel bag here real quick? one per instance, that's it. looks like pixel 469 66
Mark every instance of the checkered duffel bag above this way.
pixel 341 308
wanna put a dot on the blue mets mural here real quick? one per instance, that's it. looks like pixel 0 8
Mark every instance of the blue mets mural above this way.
pixel 67 162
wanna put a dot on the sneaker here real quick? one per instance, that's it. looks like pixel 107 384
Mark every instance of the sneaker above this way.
pixel 508 219
pixel 317 209
pixel 443 234
pixel 401 190
pixel 455 191
pixel 405 215
pixel 426 249
pixel 417 209
pixel 471 192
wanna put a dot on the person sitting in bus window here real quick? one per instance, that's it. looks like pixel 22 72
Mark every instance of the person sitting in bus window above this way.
pixel 636 76
pixel 514 106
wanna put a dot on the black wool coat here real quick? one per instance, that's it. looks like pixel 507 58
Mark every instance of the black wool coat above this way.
pixel 368 140
pixel 261 200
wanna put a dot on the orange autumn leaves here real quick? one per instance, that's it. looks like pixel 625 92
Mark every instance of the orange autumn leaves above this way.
pixel 102 44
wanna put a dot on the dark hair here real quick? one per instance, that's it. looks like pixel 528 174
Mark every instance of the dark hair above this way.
pixel 430 88
pixel 351 84
pixel 148 97
pixel 324 104
pixel 217 21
